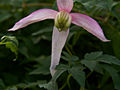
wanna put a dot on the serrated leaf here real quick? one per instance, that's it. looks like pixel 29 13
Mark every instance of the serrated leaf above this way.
pixel 90 64
pixel 109 59
pixel 41 70
pixel 49 86
pixel 106 4
pixel 11 46
pixel 113 73
pixel 68 57
pixel 11 43
pixel 66 54
pixel 78 75
pixel 30 84
pixel 57 74
pixel 74 58
pixel 90 60
pixel 11 88
pixel 62 67
pixel 99 68
pixel 64 58
pixel 93 55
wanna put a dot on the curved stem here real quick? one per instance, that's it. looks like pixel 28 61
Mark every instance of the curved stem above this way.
pixel 66 83
pixel 68 50
pixel 68 79
pixel 63 86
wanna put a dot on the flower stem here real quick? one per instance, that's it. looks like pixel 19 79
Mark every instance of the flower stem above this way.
pixel 68 50
pixel 66 83
pixel 68 79
pixel 63 86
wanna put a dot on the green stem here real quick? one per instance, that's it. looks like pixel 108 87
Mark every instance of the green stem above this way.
pixel 63 86
pixel 68 50
pixel 66 83
pixel 82 88
pixel 89 74
pixel 68 79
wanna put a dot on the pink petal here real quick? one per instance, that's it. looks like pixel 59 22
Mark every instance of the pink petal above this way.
pixel 58 42
pixel 36 16
pixel 89 24
pixel 66 5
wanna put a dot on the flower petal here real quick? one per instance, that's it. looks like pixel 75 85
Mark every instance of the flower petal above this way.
pixel 66 5
pixel 36 16
pixel 58 42
pixel 89 24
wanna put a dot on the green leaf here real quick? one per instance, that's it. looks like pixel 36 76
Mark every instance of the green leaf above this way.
pixel 11 43
pixel 92 56
pixel 62 67
pixel 60 70
pixel 109 59
pixel 43 68
pixel 30 84
pixel 2 85
pixel 113 73
pixel 49 86
pixel 90 64
pixel 116 10
pixel 57 74
pixel 12 88
pixel 66 54
pixel 106 4
pixel 105 78
pixel 78 75
pixel 68 57
pixel 91 59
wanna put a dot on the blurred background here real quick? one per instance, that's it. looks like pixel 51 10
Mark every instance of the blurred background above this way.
pixel 86 63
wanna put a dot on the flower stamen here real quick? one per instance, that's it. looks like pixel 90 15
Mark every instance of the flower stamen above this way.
pixel 63 21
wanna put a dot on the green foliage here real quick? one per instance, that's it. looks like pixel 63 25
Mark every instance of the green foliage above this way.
pixel 113 73
pixel 86 62
pixel 11 43
pixel 104 61
pixel 78 75
pixel 49 86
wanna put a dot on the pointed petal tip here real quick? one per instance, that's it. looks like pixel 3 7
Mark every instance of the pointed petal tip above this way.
pixel 106 40
pixel 103 38
pixel 12 29
pixel 89 24
pixel 36 16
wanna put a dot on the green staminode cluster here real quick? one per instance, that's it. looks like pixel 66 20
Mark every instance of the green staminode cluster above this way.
pixel 63 21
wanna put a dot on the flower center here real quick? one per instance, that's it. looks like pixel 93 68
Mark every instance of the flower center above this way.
pixel 63 21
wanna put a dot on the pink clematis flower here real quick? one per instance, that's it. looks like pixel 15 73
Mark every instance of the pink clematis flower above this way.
pixel 63 19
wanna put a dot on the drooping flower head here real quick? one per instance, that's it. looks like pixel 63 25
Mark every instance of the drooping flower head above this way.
pixel 63 19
